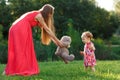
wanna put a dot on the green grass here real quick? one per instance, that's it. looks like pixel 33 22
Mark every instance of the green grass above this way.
pixel 105 70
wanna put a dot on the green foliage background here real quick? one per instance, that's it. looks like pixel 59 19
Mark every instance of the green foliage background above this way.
pixel 71 18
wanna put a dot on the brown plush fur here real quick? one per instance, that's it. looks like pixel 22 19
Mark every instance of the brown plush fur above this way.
pixel 64 52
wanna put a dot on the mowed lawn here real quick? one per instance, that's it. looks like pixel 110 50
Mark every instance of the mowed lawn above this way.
pixel 105 70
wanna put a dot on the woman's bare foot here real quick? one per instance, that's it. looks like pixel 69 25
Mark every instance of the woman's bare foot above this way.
pixel 3 73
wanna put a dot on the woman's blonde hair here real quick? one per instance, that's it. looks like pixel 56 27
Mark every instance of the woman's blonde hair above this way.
pixel 47 13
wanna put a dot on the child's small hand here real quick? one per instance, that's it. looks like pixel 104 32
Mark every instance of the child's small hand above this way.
pixel 81 53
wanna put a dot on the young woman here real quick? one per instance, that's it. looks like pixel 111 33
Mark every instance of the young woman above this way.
pixel 21 54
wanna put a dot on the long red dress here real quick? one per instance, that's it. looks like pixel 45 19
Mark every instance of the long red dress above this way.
pixel 21 54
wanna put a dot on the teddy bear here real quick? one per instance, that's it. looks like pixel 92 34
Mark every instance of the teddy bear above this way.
pixel 63 52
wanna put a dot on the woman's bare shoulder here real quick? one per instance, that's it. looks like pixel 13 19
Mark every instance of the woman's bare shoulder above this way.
pixel 39 17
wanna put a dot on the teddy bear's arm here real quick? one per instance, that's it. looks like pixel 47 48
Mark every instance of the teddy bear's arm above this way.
pixel 58 51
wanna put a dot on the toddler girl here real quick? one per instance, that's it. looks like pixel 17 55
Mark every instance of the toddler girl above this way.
pixel 89 56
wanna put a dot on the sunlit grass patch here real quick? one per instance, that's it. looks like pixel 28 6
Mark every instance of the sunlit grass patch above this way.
pixel 105 70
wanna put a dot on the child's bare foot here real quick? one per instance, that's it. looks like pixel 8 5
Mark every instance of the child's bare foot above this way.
pixel 93 69
pixel 82 53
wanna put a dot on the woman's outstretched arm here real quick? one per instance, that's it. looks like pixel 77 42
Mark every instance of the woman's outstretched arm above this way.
pixel 45 27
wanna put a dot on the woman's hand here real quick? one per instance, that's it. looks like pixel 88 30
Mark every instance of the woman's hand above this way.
pixel 60 44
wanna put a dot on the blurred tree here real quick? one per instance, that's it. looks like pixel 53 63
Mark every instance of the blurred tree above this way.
pixel 3 47
pixel 117 6
pixel 5 17
pixel 117 10
pixel 1 35
pixel 85 15
pixel 76 44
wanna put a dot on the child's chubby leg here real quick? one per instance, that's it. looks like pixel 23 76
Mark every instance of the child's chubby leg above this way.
pixel 85 67
pixel 92 68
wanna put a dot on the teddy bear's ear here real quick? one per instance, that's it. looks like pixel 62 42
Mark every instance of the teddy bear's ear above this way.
pixel 66 39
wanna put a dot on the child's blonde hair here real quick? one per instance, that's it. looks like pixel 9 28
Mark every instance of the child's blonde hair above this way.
pixel 87 34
